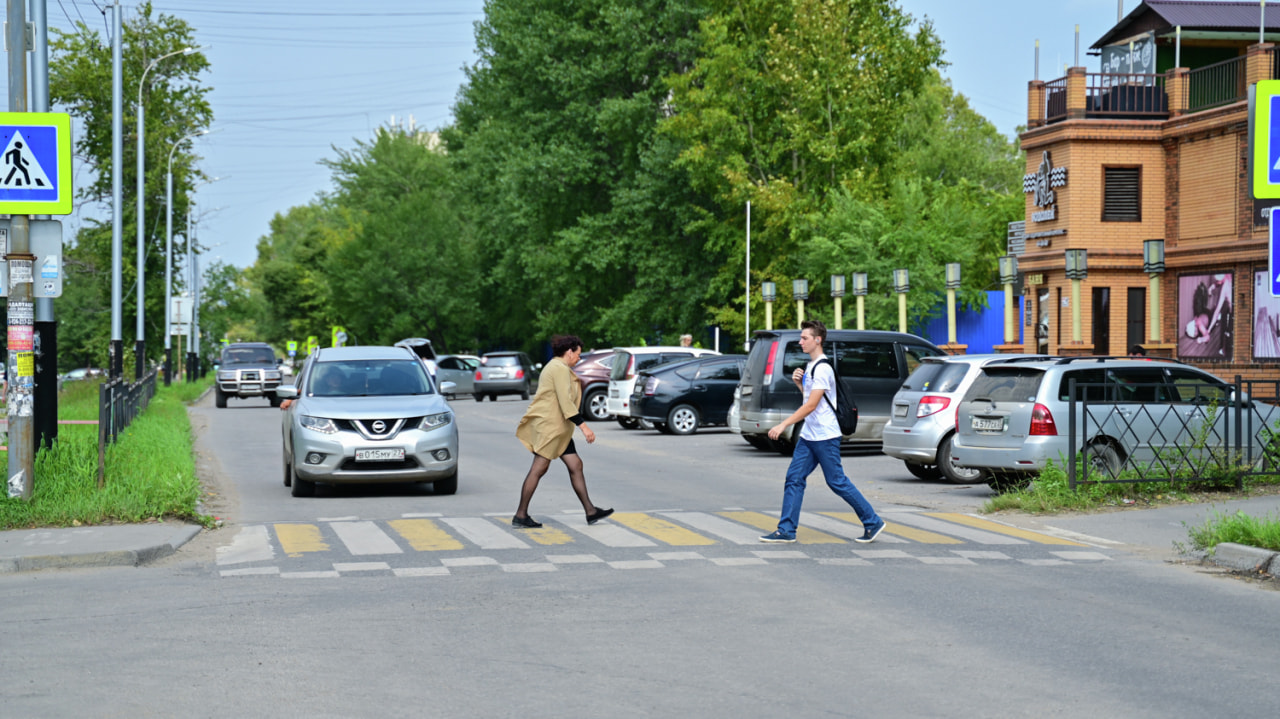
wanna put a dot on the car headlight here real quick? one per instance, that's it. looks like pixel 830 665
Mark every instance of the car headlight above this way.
pixel 433 421
pixel 319 424
pixel 271 375
pixel 226 375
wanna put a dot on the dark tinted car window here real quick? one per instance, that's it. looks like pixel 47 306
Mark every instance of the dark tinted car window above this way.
pixel 1095 379
pixel 949 379
pixel 676 356
pixel 922 378
pixel 866 359
pixel 720 371
pixel 915 353
pixel 502 361
pixel 1192 386
pixel 1006 385
pixel 451 363
pixel 794 359
pixel 248 355
pixel 1138 384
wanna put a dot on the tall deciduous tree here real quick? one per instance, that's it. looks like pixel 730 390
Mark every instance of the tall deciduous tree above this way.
pixel 80 82
pixel 584 220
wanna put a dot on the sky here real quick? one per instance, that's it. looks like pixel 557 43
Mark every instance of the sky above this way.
pixel 292 81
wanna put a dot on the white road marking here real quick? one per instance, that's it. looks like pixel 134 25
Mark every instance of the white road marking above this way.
pixel 737 561
pixel 246 571
pixel 469 561
pixel 780 554
pixel 529 567
pixel 251 544
pixel 637 564
pixel 364 538
pixel 956 530
pixel 882 554
pixel 361 566
pixel 309 575
pixel 484 533
pixel 720 527
pixel 972 554
pixel 605 532
pixel 944 560
pixel 1082 556
pixel 574 559
pixel 421 571
pixel 675 556
pixel 831 525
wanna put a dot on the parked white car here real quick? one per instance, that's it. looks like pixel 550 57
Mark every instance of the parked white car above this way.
pixel 622 376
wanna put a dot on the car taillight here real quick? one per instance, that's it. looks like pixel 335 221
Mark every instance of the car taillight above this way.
pixel 519 374
pixel 631 367
pixel 478 374
pixel 931 404
pixel 768 365
pixel 650 386
pixel 1042 422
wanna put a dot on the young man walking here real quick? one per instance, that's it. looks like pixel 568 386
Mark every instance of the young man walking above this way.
pixel 818 444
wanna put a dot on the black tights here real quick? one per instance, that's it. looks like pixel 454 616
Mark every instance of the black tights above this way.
pixel 540 466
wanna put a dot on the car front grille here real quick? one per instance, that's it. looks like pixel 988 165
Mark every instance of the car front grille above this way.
pixel 392 466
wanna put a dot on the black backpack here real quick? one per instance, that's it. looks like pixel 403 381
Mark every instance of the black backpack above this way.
pixel 846 408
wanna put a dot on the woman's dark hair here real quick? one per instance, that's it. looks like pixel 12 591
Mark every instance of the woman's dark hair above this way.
pixel 564 343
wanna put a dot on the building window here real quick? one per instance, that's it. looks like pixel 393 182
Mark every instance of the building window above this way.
pixel 1122 194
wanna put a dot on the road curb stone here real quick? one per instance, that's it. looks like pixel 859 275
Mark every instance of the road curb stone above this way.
pixel 1243 558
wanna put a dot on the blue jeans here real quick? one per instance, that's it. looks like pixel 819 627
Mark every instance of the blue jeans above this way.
pixel 808 455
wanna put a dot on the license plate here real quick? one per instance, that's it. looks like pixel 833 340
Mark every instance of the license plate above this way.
pixel 497 375
pixel 613 393
pixel 900 410
pixel 247 387
pixel 988 424
pixel 379 455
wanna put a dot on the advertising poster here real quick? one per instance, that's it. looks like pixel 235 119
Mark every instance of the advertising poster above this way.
pixel 1206 323
pixel 1266 320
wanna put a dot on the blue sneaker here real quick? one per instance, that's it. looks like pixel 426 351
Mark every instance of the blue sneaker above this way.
pixel 778 536
pixel 870 534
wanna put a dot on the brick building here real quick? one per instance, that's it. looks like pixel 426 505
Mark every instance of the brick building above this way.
pixel 1155 147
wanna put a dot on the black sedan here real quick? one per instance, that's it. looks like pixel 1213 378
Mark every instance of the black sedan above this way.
pixel 679 398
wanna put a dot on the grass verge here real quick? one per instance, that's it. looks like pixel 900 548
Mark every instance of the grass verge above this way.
pixel 1238 528
pixel 150 470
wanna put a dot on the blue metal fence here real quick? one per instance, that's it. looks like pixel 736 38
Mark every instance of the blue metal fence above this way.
pixel 981 329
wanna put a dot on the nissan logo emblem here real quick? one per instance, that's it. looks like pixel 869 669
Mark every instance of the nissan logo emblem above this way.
pixel 379 426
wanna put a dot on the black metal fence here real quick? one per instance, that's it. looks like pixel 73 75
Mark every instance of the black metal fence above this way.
pixel 119 403
pixel 1181 432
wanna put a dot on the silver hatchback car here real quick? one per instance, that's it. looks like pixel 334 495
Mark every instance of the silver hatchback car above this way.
pixel 368 415
pixel 923 422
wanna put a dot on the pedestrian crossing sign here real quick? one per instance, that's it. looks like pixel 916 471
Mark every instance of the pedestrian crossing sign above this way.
pixel 35 163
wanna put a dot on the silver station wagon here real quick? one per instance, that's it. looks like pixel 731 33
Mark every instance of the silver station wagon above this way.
pixel 368 415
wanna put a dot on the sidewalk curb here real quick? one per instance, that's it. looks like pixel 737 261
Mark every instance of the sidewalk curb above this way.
pixel 129 557
pixel 1243 558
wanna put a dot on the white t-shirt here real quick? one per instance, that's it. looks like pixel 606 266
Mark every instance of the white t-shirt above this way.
pixel 821 424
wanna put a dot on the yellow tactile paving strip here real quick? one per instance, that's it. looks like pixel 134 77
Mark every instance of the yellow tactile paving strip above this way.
pixel 297 539
pixel 899 530
pixel 661 530
pixel 989 526
pixel 804 535
pixel 424 535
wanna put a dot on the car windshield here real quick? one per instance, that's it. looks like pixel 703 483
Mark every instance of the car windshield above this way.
pixel 368 378
pixel 1006 384
pixel 248 355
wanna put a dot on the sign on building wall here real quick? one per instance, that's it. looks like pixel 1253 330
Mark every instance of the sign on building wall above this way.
pixel 1121 59
pixel 1042 184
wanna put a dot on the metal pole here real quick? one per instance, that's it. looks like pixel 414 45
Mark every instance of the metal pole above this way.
pixel 1076 62
pixel 117 198
pixel 168 271
pixel 1037 75
pixel 140 340
pixel 46 328
pixel 21 468
pixel 1177 46
pixel 746 341
pixel 191 289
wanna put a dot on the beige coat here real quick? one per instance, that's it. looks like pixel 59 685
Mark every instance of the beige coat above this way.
pixel 545 428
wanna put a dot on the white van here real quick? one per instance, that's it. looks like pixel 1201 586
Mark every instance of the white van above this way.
pixel 628 361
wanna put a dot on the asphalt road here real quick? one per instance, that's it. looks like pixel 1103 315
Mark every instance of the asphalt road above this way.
pixel 299 607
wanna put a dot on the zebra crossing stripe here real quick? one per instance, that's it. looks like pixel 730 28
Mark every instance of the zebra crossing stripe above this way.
pixel 804 535
pixel 606 532
pixel 251 544
pixel 845 524
pixel 1003 529
pixel 895 529
pixel 424 535
pixel 363 538
pixel 298 539
pixel 716 526
pixel 936 525
pixel 484 533
pixel 661 530
pixel 547 536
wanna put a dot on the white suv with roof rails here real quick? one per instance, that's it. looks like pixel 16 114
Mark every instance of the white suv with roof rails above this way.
pixel 622 376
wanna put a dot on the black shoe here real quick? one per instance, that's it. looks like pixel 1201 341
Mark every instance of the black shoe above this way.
pixel 525 522
pixel 599 515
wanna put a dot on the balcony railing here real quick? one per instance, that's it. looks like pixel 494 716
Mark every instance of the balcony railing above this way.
pixel 1055 99
pixel 1221 83
pixel 1135 96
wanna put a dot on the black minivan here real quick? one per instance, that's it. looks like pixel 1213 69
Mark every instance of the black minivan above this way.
pixel 871 364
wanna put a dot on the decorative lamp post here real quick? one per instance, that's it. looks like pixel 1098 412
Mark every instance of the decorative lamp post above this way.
pixel 800 289
pixel 768 290
pixel 901 284
pixel 1153 265
pixel 837 292
pixel 953 284
pixel 1077 270
pixel 140 358
pixel 1008 276
pixel 860 292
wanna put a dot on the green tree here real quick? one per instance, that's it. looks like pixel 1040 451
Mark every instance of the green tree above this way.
pixel 80 82
pixel 224 308
pixel 584 222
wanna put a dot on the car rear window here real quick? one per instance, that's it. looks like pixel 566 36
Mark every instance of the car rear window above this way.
pixel 501 361
pixel 1000 384
pixel 937 377
pixel 619 368
pixel 923 377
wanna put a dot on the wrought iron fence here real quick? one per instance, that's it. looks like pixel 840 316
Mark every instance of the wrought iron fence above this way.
pixel 1126 95
pixel 1185 432
pixel 119 403
pixel 1055 100
pixel 1221 83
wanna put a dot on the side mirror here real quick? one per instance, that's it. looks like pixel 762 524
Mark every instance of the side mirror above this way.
pixel 537 367
pixel 448 387
pixel 287 391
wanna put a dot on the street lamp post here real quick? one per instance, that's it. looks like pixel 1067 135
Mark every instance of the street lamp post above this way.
pixel 140 345
pixel 901 283
pixel 860 292
pixel 837 292
pixel 953 284
pixel 1153 265
pixel 1077 270
pixel 800 289
pixel 769 291
pixel 168 259
pixel 1009 275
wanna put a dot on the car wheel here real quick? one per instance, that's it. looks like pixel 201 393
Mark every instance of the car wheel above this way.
pixel 524 391
pixel 446 486
pixel 493 397
pixel 596 405
pixel 302 487
pixel 479 396
pixel 662 427
pixel 628 422
pixel 927 472
pixel 219 398
pixel 1002 483
pixel 645 424
pixel 288 472
pixel 1103 459
pixel 954 473
pixel 758 441
pixel 683 419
